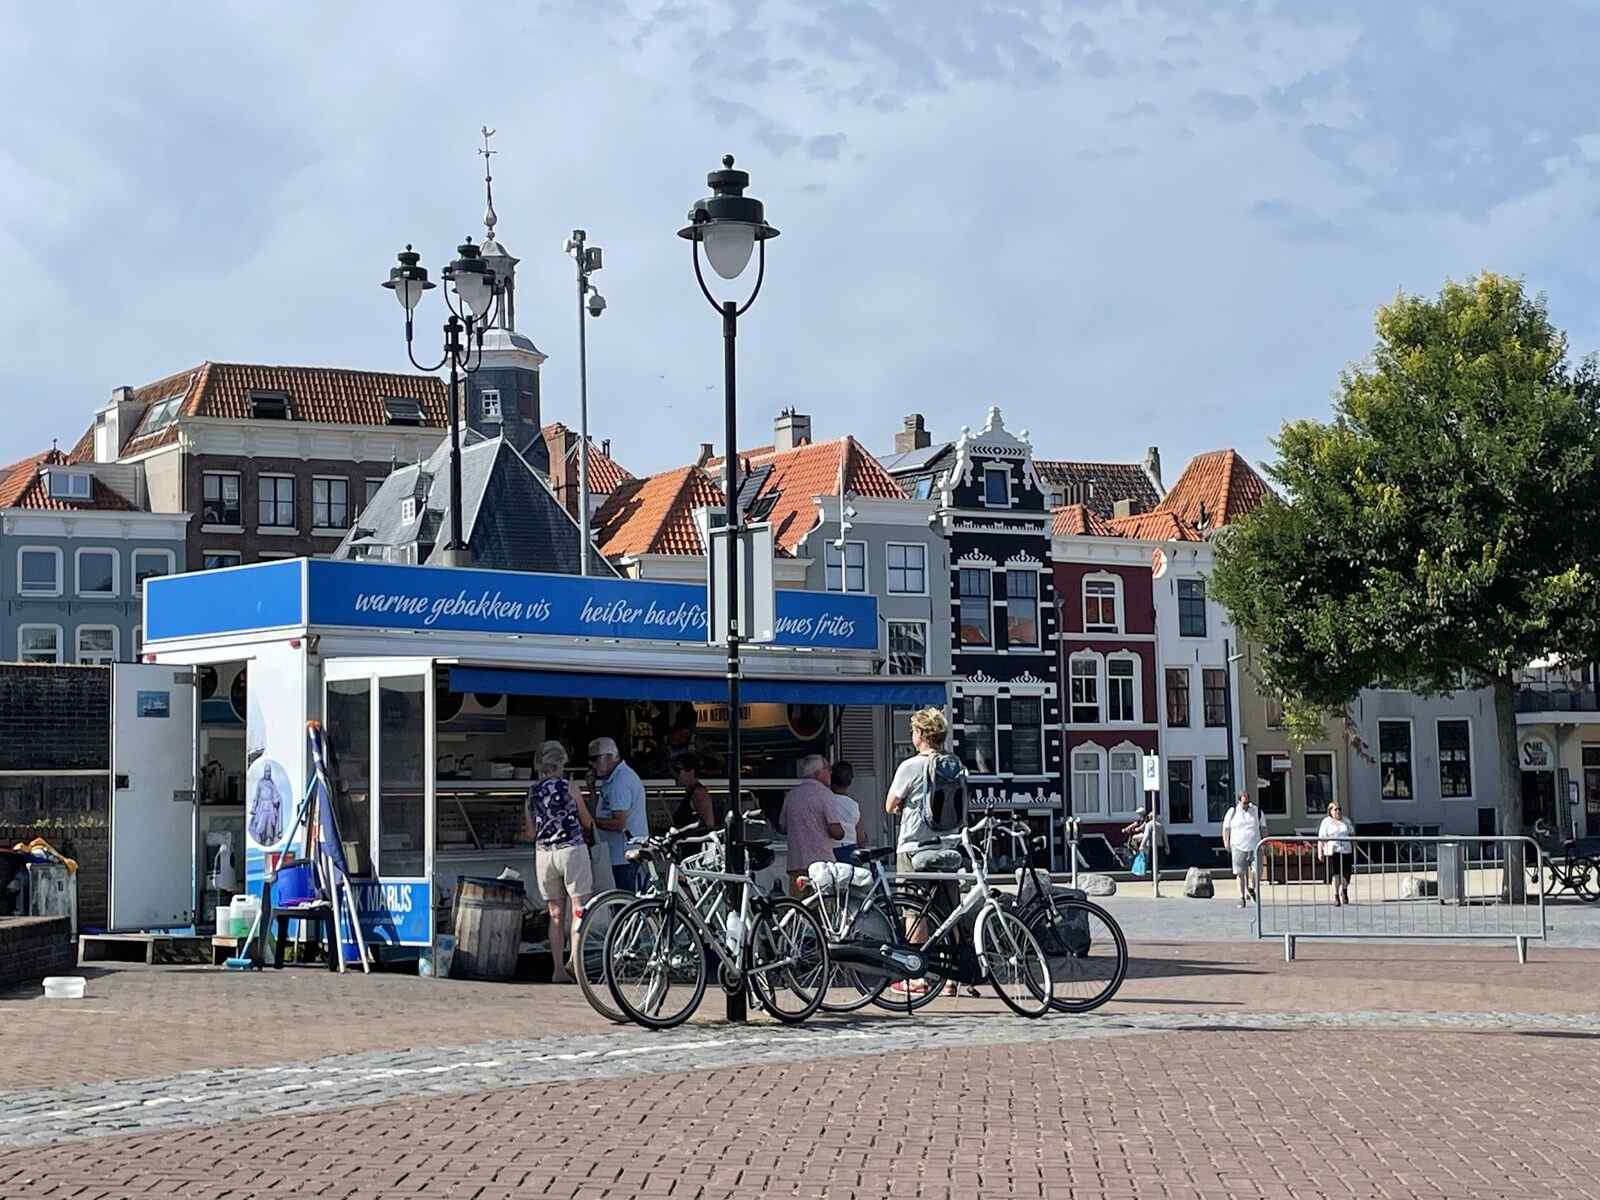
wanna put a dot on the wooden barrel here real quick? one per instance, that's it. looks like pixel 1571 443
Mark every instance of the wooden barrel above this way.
pixel 488 927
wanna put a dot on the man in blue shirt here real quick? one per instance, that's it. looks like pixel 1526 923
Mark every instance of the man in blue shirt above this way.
pixel 619 814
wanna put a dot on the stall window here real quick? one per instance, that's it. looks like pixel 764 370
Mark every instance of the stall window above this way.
pixel 1215 680
pixel 1455 760
pixel 977 734
pixel 1178 697
pixel 908 647
pixel 350 739
pixel 1086 782
pixel 1319 782
pixel 1027 742
pixel 1394 759
pixel 1124 784
pixel 1218 785
pixel 901 747
pixel 1180 791
pixel 847 568
pixel 976 611
pixel 402 844
pixel 1022 608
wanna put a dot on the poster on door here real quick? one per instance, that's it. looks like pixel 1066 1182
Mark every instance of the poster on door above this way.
pixel 275 756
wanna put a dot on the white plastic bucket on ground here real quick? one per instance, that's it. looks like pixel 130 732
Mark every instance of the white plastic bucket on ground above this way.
pixel 63 987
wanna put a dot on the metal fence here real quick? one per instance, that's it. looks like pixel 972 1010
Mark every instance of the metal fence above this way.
pixel 1399 889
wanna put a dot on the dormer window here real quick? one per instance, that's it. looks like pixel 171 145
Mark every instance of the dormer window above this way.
pixel 269 406
pixel 69 485
pixel 402 410
pixel 160 414
pixel 997 487
pixel 408 509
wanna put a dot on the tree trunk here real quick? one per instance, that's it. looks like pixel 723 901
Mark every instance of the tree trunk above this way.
pixel 1509 802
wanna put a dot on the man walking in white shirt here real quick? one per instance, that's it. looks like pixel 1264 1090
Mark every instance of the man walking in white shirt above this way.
pixel 1242 831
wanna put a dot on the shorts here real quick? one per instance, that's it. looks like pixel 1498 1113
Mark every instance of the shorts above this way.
pixel 1340 866
pixel 564 871
pixel 1243 861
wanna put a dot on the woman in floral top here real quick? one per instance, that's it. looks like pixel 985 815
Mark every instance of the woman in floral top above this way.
pixel 559 819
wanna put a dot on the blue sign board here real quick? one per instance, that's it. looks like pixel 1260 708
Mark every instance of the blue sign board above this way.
pixel 395 912
pixel 393 596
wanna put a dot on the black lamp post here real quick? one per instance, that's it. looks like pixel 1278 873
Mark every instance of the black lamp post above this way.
pixel 730 225
pixel 477 290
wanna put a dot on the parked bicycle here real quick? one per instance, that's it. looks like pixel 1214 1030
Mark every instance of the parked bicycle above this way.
pixel 1566 864
pixel 658 948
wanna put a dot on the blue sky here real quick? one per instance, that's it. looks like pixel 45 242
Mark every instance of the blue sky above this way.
pixel 1126 223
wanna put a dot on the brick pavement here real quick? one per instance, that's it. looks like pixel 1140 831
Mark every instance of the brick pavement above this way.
pixel 1252 1113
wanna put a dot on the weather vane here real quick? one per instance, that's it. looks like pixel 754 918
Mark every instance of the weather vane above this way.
pixel 488 181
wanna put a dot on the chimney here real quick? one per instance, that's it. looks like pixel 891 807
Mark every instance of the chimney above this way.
pixel 1126 507
pixel 1152 467
pixel 791 429
pixel 605 447
pixel 914 436
pixel 706 451
pixel 114 423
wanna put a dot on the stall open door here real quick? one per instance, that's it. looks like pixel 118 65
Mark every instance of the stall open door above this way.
pixel 152 796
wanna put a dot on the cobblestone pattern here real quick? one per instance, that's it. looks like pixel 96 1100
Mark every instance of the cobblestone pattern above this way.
pixel 1207 1111
pixel 202 1098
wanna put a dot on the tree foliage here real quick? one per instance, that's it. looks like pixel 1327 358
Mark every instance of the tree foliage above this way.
pixel 1445 524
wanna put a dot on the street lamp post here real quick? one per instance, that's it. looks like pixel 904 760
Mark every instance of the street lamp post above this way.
pixel 730 225
pixel 589 260
pixel 477 291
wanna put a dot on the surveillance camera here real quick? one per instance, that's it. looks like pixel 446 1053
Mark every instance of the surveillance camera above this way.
pixel 597 304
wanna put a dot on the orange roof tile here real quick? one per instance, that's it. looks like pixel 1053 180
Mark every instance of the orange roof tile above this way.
pixel 799 475
pixel 23 485
pixel 606 474
pixel 1154 527
pixel 1076 520
pixel 656 515
pixel 1216 488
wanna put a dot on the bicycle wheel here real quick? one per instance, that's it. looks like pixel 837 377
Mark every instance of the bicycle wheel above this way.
pixel 1014 962
pixel 786 960
pixel 1584 879
pixel 589 958
pixel 655 963
pixel 850 988
pixel 1084 946
pixel 917 914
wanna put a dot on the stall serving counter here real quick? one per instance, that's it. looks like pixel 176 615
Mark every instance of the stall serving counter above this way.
pixel 436 687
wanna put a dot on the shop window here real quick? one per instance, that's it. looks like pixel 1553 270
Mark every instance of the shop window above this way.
pixel 1085 683
pixel 97 645
pixel 1591 791
pixel 1086 783
pixel 1178 697
pixel 330 503
pixel 997 487
pixel 1191 608
pixel 1319 783
pixel 1100 606
pixel 219 499
pixel 1215 682
pixel 403 843
pixel 1219 784
pixel 1180 791
pixel 976 608
pixel 1122 689
pixel 977 734
pixel 1022 608
pixel 39 571
pixel 1123 786
pixel 1455 759
pixel 39 643
pixel 847 568
pixel 1394 760
pixel 1272 784
pixel 97 572
pixel 1027 741
pixel 908 569
pixel 276 501
pixel 908 648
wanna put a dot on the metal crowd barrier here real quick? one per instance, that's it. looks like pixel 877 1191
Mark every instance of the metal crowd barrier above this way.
pixel 1402 888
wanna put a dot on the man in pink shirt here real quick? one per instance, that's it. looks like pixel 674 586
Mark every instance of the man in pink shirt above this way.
pixel 811 819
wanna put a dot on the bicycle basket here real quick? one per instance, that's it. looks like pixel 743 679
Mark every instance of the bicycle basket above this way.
pixel 760 855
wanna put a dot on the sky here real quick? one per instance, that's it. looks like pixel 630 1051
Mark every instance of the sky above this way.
pixel 1127 223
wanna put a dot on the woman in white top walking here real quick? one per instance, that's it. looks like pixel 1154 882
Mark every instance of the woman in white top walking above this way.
pixel 1336 849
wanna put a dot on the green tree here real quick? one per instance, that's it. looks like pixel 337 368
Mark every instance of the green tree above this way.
pixel 1444 526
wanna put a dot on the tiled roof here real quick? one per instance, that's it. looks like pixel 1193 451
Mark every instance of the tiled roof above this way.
pixel 1216 488
pixel 606 474
pixel 23 485
pixel 1076 520
pixel 1098 485
pixel 799 475
pixel 325 395
pixel 1154 527
pixel 656 515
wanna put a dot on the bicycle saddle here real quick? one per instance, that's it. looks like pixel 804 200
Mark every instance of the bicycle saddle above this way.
pixel 862 855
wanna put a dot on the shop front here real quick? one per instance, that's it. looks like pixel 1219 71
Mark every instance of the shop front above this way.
pixel 437 687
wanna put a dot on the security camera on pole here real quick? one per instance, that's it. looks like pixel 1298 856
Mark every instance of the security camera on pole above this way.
pixel 589 260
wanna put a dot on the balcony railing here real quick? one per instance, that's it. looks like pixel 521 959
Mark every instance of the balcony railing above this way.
pixel 1533 698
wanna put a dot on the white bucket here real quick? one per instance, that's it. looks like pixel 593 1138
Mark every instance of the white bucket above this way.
pixel 63 987
pixel 243 911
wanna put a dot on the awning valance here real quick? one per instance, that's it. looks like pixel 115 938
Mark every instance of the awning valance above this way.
pixel 873 690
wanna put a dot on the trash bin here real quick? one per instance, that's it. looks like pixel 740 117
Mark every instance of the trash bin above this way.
pixel 1452 873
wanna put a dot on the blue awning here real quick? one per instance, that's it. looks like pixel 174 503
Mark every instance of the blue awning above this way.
pixel 873 690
